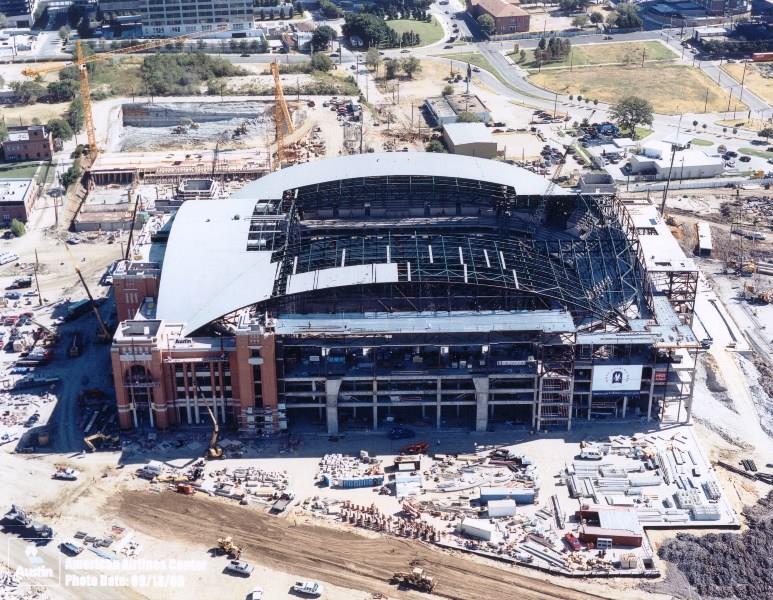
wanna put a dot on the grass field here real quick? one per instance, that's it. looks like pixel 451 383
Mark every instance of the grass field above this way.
pixel 755 152
pixel 754 81
pixel 429 33
pixel 478 60
pixel 656 83
pixel 622 53
pixel 700 142
pixel 22 170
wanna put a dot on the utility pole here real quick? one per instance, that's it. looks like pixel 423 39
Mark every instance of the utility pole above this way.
pixel 706 104
pixel 37 284
pixel 643 54
pixel 743 77
pixel 555 105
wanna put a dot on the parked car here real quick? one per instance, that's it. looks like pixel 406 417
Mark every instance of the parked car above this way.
pixel 71 547
pixel 312 589
pixel 745 158
pixel 239 567
pixel 404 51
pixel 447 47
pixel 256 594
pixel 401 433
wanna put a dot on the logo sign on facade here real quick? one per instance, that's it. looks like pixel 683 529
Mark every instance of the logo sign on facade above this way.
pixel 616 379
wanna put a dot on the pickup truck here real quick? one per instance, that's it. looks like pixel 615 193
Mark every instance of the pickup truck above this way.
pixel 312 589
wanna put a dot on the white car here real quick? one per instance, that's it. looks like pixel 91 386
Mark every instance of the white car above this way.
pixel 308 588
pixel 256 594
pixel 239 567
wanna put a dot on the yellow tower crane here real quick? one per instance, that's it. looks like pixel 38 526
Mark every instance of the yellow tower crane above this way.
pixel 282 118
pixel 82 61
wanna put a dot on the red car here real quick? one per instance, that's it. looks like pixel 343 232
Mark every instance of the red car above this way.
pixel 572 541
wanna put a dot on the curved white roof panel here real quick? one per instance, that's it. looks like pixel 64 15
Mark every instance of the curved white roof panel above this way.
pixel 208 271
pixel 383 164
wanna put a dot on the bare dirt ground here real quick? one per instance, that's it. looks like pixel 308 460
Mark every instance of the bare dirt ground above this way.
pixel 340 557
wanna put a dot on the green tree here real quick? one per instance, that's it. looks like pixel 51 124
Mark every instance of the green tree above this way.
pixel 596 18
pixel 522 56
pixel 373 59
pixel 322 36
pixel 435 146
pixel 321 62
pixel 330 10
pixel 28 92
pixel 627 16
pixel 571 6
pixel 486 23
pixel 71 175
pixel 448 90
pixel 410 66
pixel 580 21
pixel 3 20
pixel 632 111
pixel 390 68
pixel 18 228
pixel 60 128
pixel 766 133
pixel 3 131
pixel 64 33
pixel 75 115
pixel 62 91
pixel 467 117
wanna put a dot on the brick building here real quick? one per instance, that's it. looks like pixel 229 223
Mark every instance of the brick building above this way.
pixel 17 198
pixel 508 16
pixel 28 143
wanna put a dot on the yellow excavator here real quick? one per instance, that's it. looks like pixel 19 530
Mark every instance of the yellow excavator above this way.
pixel 214 451
pixel 226 546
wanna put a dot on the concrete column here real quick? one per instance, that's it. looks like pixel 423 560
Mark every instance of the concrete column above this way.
pixel 332 386
pixel 122 400
pixel 625 405
pixel 481 400
pixel 375 405
pixel 438 398
pixel 652 394
pixel 590 403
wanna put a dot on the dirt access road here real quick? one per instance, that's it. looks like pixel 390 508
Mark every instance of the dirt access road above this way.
pixel 340 557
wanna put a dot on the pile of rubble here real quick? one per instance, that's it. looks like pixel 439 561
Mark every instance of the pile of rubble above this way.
pixel 13 588
pixel 728 565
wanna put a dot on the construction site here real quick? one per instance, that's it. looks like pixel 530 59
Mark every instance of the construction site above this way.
pixel 280 351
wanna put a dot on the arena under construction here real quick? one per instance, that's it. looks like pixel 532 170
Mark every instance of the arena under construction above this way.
pixel 371 290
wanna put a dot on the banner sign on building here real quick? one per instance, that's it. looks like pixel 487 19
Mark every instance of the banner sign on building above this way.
pixel 616 379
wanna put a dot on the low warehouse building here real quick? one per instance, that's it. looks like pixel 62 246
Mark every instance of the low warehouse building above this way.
pixel 17 197
pixel 602 525
pixel 470 139
pixel 654 160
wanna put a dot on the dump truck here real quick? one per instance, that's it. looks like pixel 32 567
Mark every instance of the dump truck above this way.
pixel 415 579
pixel 226 545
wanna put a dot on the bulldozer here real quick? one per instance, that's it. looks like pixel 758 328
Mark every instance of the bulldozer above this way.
pixel 415 579
pixel 226 546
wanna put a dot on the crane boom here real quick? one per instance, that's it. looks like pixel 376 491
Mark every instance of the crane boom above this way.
pixel 282 118
pixel 82 62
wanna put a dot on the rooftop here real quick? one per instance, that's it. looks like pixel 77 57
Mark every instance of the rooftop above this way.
pixel 14 190
pixel 500 8
pixel 468 133
pixel 661 250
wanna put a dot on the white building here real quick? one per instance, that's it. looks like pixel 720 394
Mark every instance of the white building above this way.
pixel 161 18
pixel 470 139
pixel 654 159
